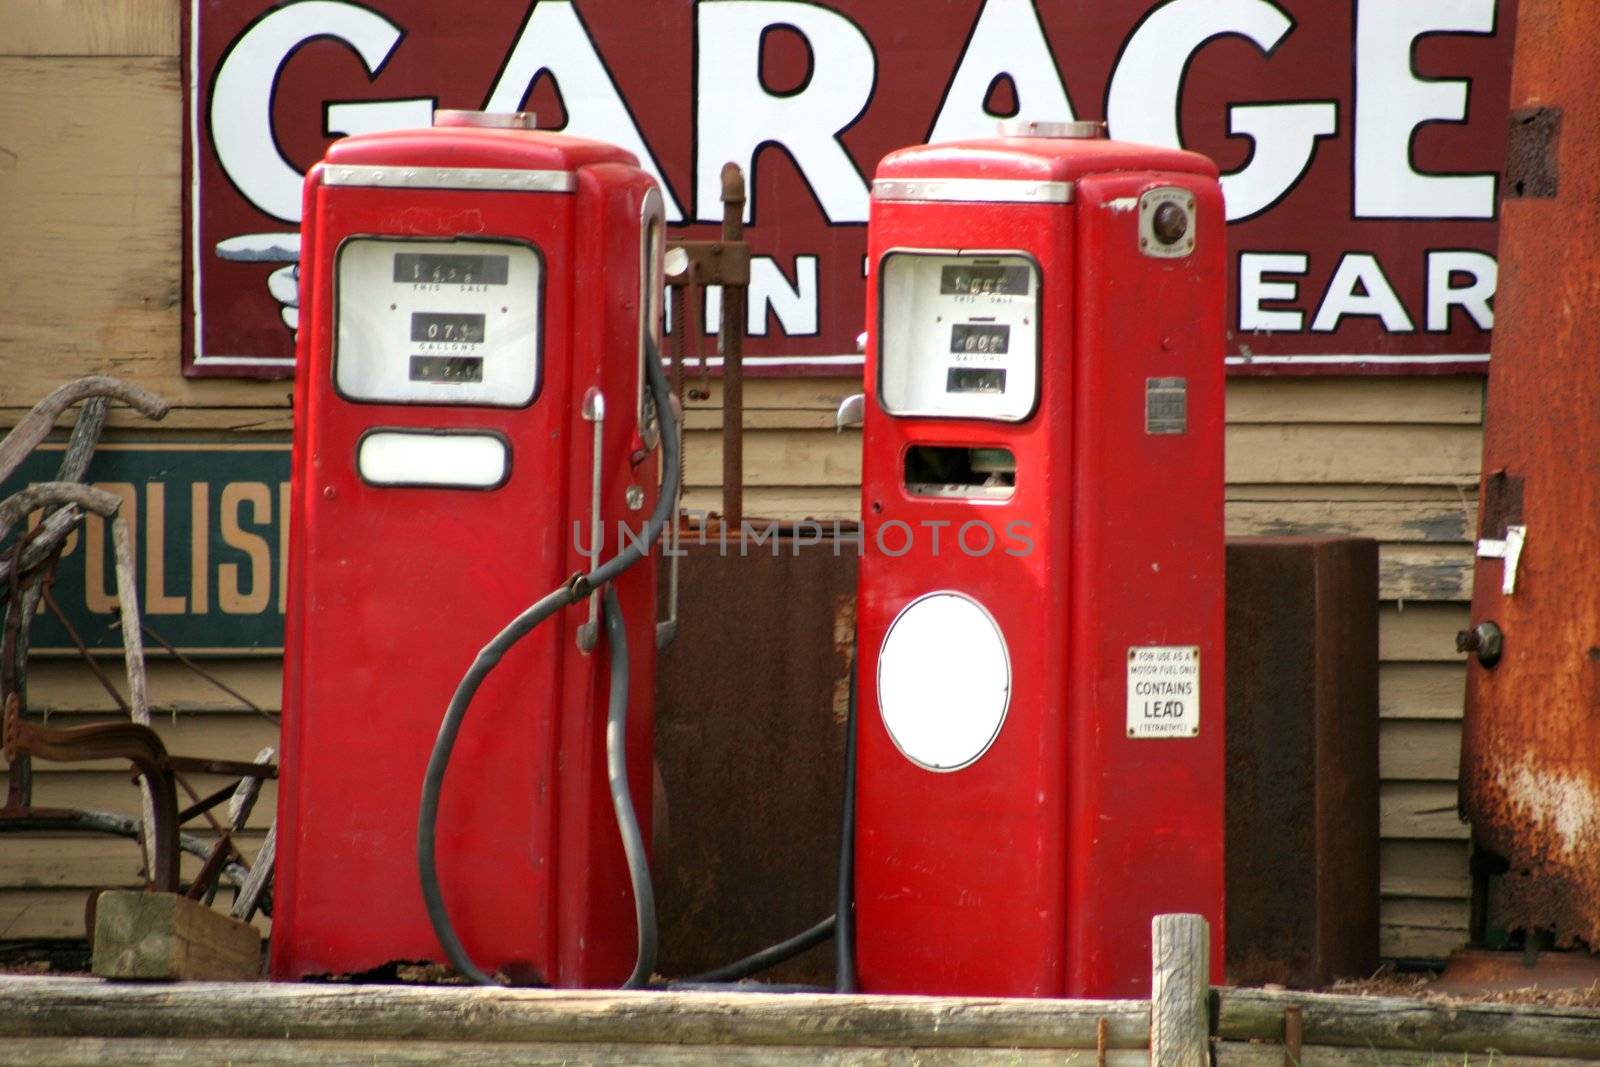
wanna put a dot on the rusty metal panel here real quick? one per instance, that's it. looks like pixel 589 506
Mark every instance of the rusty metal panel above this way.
pixel 1302 738
pixel 1530 769
pixel 750 714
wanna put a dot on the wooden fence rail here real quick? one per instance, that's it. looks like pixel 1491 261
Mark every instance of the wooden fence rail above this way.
pixel 56 1021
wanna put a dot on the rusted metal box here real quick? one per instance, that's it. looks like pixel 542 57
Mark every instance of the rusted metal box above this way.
pixel 1302 798
pixel 750 715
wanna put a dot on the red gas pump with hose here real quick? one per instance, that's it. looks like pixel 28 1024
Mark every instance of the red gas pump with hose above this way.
pixel 1040 616
pixel 477 413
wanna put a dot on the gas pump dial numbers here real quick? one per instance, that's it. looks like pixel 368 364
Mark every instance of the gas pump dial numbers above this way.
pixel 959 335
pixel 438 322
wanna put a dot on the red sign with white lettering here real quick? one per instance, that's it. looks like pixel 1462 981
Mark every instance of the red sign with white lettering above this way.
pixel 1360 142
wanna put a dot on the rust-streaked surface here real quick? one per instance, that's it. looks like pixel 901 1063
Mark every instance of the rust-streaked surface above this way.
pixel 750 714
pixel 1530 769
pixel 1472 971
pixel 1302 730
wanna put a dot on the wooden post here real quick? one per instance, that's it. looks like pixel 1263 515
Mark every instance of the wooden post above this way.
pixel 1180 965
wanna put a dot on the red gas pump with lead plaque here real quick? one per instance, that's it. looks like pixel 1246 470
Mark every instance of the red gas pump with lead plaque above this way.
pixel 1040 751
pixel 472 428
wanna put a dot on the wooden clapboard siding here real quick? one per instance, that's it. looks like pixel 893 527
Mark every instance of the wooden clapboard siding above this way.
pixel 87 861
pixel 48 879
pixel 1425 869
pixel 65 684
pixel 113 791
pixel 1422 509
pixel 1421 690
pixel 91 28
pixel 89 174
pixel 220 736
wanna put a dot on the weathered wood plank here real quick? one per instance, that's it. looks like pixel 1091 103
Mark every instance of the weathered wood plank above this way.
pixel 1241 1054
pixel 764 419
pixel 1425 810
pixel 66 685
pixel 784 503
pixel 1446 455
pixel 66 1007
pixel 91 28
pixel 206 421
pixel 166 936
pixel 1443 400
pixel 1180 959
pixel 42 914
pixel 1420 632
pixel 1440 521
pixel 85 861
pixel 1393 1023
pixel 1378 400
pixel 1425 913
pixel 1425 572
pixel 1419 750
pixel 1422 690
pixel 1425 869
pixel 1408 942
pixel 1369 401
pixel 93 1052
pixel 778 457
pixel 1353 492
pixel 783 394
pixel 1388 454
pixel 113 791
pixel 92 231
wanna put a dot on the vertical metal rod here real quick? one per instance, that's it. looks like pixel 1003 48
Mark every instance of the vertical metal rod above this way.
pixel 594 409
pixel 732 345
pixel 1294 1035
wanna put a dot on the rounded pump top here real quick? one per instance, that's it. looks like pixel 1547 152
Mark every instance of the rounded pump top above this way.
pixel 1037 128
pixel 498 120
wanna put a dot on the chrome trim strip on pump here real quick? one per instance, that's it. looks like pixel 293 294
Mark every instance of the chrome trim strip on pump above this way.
pixel 974 190
pixel 528 181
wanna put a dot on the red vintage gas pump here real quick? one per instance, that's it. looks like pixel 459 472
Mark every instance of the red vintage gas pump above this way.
pixel 473 428
pixel 1040 747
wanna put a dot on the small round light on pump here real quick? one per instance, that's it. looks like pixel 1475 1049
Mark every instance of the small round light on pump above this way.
pixel 675 263
pixel 1171 223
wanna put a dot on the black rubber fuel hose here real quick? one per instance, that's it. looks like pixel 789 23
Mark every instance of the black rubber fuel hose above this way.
pixel 490 655
pixel 644 898
pixel 844 934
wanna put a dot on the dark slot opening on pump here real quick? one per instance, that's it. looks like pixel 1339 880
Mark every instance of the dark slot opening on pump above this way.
pixel 957 471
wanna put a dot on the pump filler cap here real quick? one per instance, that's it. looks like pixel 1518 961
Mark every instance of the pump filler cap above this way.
pixel 496 120
pixel 1035 128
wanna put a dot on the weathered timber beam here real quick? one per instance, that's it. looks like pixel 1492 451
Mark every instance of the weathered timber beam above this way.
pixel 1241 1054
pixel 68 1007
pixel 60 1052
pixel 1413 1025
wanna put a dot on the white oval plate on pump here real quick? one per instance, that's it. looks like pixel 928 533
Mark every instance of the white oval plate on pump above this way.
pixel 944 681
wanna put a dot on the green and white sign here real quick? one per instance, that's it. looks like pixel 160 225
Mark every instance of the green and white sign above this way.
pixel 210 523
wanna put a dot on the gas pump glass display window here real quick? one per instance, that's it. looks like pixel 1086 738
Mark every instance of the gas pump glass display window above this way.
pixel 438 322
pixel 959 335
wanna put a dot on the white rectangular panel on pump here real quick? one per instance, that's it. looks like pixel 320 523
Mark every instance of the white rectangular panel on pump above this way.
pixel 438 322
pixel 959 335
